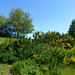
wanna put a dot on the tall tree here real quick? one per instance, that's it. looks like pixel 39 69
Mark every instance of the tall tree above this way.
pixel 72 28
pixel 20 22
pixel 3 27
pixel 2 23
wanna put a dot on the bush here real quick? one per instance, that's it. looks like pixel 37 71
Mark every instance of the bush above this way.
pixel 54 57
pixel 11 51
pixel 6 52
pixel 26 67
pixel 53 39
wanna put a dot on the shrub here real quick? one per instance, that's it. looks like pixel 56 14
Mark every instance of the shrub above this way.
pixel 53 39
pixel 53 57
pixel 6 52
pixel 11 51
pixel 26 67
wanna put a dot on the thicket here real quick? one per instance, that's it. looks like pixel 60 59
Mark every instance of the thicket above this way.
pixel 42 55
pixel 54 39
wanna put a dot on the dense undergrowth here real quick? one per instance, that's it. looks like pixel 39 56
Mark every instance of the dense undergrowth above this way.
pixel 43 55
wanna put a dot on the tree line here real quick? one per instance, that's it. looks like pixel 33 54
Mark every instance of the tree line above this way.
pixel 21 23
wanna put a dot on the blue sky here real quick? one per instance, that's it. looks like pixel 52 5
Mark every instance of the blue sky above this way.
pixel 48 15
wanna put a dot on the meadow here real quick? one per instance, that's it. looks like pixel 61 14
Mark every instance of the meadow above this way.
pixel 47 54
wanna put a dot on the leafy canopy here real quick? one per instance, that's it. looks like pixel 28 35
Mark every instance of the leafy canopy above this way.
pixel 20 21
pixel 2 22
pixel 72 28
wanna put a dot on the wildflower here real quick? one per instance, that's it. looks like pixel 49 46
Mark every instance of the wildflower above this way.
pixel 72 39
pixel 72 59
pixel 45 68
pixel 63 43
pixel 59 40
pixel 65 39
pixel 37 58
pixel 68 45
pixel 72 49
pixel 63 49
pixel 64 59
pixel 34 56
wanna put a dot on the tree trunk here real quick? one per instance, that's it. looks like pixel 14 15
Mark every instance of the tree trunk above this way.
pixel 17 35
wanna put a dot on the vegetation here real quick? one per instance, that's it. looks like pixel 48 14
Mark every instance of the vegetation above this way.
pixel 72 28
pixel 47 53
pixel 5 69
pixel 18 21
pixel 3 26
pixel 2 23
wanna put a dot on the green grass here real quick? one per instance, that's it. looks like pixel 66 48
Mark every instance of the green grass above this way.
pixel 67 71
pixel 2 39
pixel 5 69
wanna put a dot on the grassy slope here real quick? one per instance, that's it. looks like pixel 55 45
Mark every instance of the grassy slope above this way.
pixel 67 71
pixel 2 39
pixel 5 69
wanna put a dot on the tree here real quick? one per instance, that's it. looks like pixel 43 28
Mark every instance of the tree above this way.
pixel 2 23
pixel 3 26
pixel 20 22
pixel 72 28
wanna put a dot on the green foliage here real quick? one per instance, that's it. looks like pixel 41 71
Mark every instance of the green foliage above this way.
pixel 47 61
pixel 23 48
pixel 6 52
pixel 72 28
pixel 66 71
pixel 54 56
pixel 2 39
pixel 3 31
pixel 53 39
pixel 44 54
pixel 13 50
pixel 27 67
pixel 5 69
pixel 2 22
pixel 20 21
pixel 41 37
